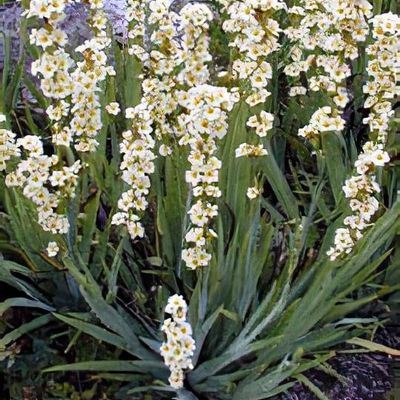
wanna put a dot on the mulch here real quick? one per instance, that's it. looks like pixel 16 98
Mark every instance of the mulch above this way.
pixel 368 376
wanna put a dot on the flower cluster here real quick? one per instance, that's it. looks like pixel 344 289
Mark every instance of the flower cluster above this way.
pixel 138 143
pixel 40 177
pixel 178 350
pixel 54 64
pixel 383 65
pixel 8 147
pixel 52 11
pixel 255 35
pixel 261 123
pixel 149 117
pixel 322 121
pixel 325 37
pixel 164 57
pixel 87 77
pixel 383 69
pixel 73 24
pixel 175 42
pixel 73 87
pixel 204 122
pixel 332 29
pixel 194 23
pixel 137 165
pixel 135 15
pixel 44 182
pixel 250 150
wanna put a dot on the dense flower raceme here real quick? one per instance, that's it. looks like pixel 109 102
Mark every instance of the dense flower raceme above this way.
pixel 194 20
pixel 254 33
pixel 54 64
pixel 383 71
pixel 73 86
pixel 88 75
pixel 137 165
pixel 40 177
pixel 44 181
pixel 325 37
pixel 255 36
pixel 149 117
pixel 178 41
pixel 178 349
pixel 204 123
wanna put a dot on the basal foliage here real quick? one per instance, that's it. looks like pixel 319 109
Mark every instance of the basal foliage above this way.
pixel 249 194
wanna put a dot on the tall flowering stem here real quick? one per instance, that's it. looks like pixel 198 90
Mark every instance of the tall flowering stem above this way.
pixel 86 122
pixel 155 45
pixel 45 182
pixel 201 123
pixel 381 88
pixel 325 37
pixel 169 42
pixel 255 34
pixel 194 24
pixel 44 179
pixel 54 65
pixel 205 122
pixel 72 86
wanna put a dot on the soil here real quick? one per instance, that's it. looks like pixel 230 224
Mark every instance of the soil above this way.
pixel 367 376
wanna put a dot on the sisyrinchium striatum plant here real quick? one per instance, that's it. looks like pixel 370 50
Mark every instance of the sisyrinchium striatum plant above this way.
pixel 207 195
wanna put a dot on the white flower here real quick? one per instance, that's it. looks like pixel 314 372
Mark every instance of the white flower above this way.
pixel 52 249
pixel 297 91
pixel 165 150
pixel 380 158
pixel 253 192
pixel 195 257
pixel 135 229
pixel 249 150
pixel 196 235
pixel 177 307
pixel 113 108
pixel 176 378
pixel 130 113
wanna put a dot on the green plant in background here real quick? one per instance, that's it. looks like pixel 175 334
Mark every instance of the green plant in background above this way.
pixel 268 304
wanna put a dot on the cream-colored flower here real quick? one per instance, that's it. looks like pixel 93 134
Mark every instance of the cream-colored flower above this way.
pixel 253 192
pixel 52 249
pixel 113 108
